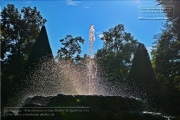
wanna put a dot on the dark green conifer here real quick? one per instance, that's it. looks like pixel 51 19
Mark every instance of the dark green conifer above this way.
pixel 41 49
pixel 41 52
pixel 142 74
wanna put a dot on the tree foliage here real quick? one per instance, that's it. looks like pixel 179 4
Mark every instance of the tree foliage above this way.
pixel 18 33
pixel 115 58
pixel 166 53
pixel 70 49
pixel 174 5
pixel 19 30
pixel 142 74
pixel 166 57
pixel 41 51
pixel 174 16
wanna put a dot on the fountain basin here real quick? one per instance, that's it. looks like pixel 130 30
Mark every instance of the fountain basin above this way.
pixel 84 107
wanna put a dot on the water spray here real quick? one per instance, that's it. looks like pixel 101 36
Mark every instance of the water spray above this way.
pixel 90 64
pixel 92 39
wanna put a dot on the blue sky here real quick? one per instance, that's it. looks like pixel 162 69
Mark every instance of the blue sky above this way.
pixel 74 17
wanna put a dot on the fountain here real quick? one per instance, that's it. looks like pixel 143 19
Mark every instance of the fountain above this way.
pixel 91 71
pixel 65 90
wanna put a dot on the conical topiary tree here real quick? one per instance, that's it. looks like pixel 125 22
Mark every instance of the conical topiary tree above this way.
pixel 41 51
pixel 142 74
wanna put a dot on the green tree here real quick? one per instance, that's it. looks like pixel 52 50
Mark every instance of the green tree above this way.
pixel 142 74
pixel 166 57
pixel 41 51
pixel 41 54
pixel 172 4
pixel 115 58
pixel 71 48
pixel 173 16
pixel 18 33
